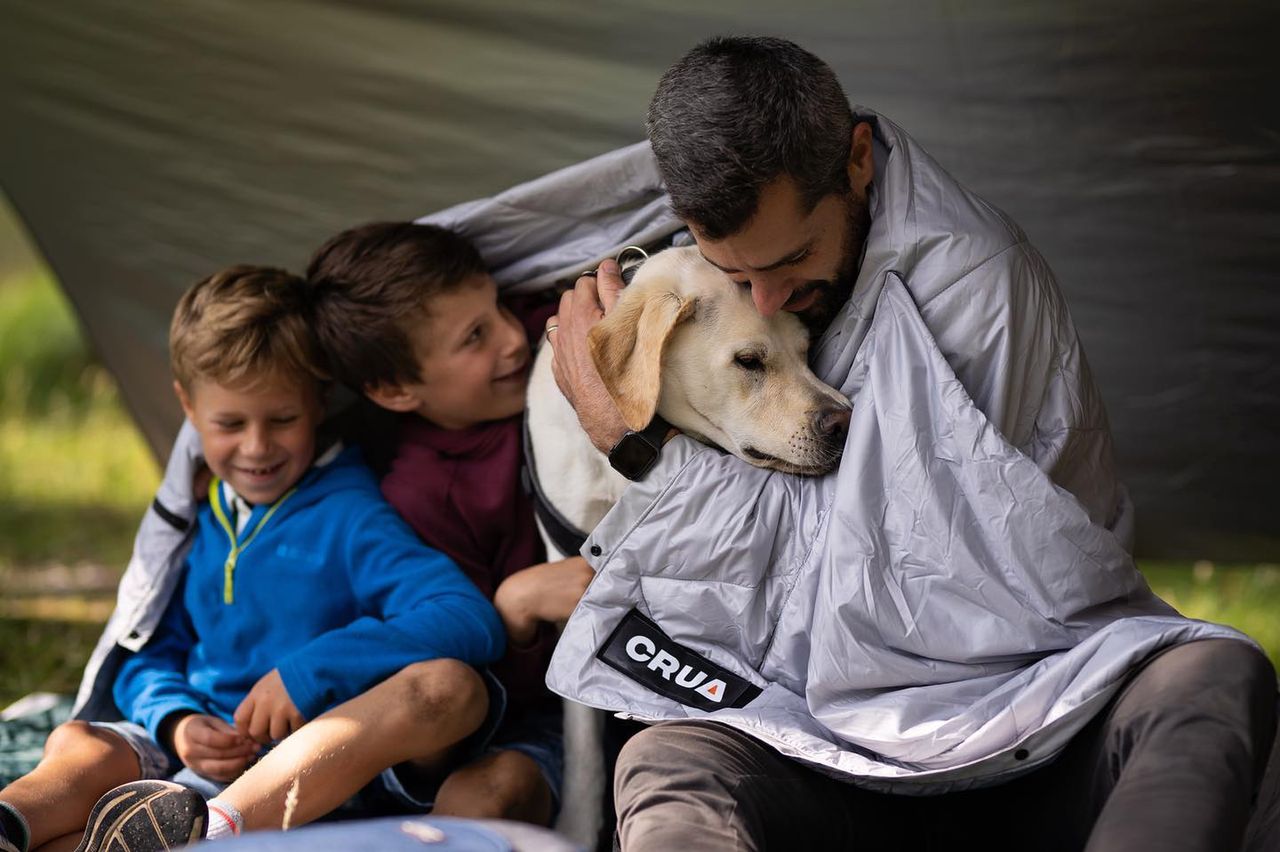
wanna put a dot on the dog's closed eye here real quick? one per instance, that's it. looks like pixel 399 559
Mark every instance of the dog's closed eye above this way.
pixel 749 361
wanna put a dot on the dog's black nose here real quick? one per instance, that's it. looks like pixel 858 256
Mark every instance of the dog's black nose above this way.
pixel 832 424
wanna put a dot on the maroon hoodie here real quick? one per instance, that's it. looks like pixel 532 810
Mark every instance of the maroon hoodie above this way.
pixel 460 491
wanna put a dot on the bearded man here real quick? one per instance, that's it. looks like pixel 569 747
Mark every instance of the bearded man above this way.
pixel 946 640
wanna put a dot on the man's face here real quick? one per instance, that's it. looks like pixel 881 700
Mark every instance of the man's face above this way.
pixel 801 262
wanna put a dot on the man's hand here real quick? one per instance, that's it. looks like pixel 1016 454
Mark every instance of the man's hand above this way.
pixel 267 714
pixel 545 592
pixel 580 309
pixel 212 747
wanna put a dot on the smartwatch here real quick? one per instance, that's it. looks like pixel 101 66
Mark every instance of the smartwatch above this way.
pixel 637 452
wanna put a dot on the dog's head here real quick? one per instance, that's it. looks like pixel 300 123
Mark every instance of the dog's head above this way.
pixel 685 342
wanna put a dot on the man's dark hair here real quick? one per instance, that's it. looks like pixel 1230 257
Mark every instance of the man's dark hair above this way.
pixel 736 113
pixel 370 285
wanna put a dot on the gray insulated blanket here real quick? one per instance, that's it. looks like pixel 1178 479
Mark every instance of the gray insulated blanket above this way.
pixel 953 603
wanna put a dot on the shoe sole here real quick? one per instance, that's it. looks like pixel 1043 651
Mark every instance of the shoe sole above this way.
pixel 120 823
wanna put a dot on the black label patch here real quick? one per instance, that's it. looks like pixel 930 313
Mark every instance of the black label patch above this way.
pixel 640 650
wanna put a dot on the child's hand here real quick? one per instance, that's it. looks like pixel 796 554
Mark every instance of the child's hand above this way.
pixel 212 747
pixel 545 592
pixel 267 713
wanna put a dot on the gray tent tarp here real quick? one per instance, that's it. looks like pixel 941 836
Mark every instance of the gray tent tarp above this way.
pixel 1138 144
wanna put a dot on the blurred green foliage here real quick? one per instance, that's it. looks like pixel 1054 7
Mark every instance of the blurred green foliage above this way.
pixel 45 368
pixel 75 475
pixel 1245 596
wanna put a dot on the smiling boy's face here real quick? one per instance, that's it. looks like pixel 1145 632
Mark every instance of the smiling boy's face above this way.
pixel 473 360
pixel 261 438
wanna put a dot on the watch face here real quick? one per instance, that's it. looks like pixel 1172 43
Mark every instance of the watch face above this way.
pixel 633 456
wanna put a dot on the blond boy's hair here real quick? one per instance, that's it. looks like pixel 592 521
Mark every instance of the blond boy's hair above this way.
pixel 244 324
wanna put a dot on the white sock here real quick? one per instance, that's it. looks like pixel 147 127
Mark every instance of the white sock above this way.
pixel 224 820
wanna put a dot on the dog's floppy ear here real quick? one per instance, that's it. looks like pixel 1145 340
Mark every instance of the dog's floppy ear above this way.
pixel 627 345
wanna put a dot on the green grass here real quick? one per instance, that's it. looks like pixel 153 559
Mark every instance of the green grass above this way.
pixel 75 477
pixel 38 655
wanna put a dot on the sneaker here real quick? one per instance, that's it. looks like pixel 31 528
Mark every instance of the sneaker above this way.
pixel 145 816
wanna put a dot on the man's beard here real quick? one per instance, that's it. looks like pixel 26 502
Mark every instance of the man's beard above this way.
pixel 832 294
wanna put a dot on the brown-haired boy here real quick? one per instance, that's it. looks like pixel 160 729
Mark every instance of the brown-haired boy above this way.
pixel 409 316
pixel 308 616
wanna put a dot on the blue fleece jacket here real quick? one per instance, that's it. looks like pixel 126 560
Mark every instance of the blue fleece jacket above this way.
pixel 332 588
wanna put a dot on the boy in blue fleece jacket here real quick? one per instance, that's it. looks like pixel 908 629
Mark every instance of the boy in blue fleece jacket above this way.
pixel 307 605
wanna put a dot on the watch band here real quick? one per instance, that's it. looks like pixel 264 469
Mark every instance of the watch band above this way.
pixel 656 431
pixel 636 453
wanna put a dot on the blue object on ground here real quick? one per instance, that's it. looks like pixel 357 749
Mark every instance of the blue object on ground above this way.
pixel 411 834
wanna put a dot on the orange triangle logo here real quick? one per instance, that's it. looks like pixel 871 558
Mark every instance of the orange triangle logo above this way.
pixel 712 689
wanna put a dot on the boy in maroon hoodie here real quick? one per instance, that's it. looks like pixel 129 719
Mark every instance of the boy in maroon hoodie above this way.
pixel 410 318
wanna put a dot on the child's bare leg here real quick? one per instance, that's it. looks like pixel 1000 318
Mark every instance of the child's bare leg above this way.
pixel 80 764
pixel 502 785
pixel 65 843
pixel 415 715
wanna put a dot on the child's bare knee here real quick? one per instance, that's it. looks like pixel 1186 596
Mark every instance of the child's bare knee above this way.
pixel 89 742
pixel 77 735
pixel 438 689
pixel 515 778
pixel 502 785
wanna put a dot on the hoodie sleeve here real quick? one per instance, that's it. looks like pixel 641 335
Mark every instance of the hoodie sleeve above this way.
pixel 417 605
pixel 152 682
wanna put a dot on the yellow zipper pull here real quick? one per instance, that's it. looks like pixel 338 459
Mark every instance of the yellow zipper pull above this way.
pixel 228 571
pixel 228 567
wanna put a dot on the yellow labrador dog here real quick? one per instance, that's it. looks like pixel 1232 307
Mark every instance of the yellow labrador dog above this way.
pixel 685 342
